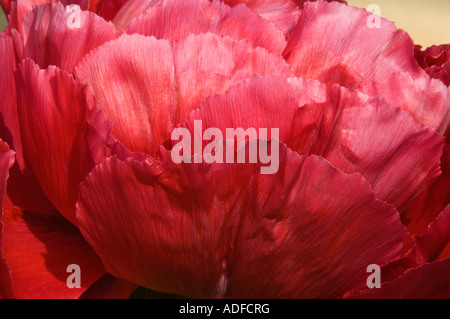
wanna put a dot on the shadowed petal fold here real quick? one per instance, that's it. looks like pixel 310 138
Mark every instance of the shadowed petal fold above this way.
pixel 39 247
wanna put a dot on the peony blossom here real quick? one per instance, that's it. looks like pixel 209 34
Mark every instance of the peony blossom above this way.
pixel 92 94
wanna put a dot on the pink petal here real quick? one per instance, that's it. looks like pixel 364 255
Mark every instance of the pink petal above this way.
pixel 350 130
pixel 284 13
pixel 38 248
pixel 18 9
pixel 130 10
pixel 225 230
pixel 6 161
pixel 109 287
pixel 49 40
pixel 23 188
pixel 333 43
pixel 146 86
pixel 63 133
pixel 176 19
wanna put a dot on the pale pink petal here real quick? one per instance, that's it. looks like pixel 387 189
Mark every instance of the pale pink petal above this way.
pixel 146 86
pixel 176 19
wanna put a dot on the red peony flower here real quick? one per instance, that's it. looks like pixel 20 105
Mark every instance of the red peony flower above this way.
pixel 352 170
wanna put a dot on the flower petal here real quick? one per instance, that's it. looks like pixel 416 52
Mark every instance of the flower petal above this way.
pixel 63 133
pixel 23 188
pixel 176 19
pixel 336 44
pixel 6 161
pixel 150 89
pixel 225 230
pixel 284 13
pixel 39 247
pixel 50 40
pixel 348 129
pixel 430 281
pixel 432 201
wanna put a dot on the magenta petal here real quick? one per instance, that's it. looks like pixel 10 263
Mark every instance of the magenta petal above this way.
pixel 63 132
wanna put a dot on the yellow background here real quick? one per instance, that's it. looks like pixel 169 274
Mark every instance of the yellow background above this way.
pixel 427 21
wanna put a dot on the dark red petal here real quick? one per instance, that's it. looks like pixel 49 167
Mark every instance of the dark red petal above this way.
pixel 146 86
pixel 109 287
pixel 23 188
pixel 225 230
pixel 435 243
pixel 284 13
pixel 333 43
pixel 432 201
pixel 6 161
pixel 425 282
pixel 49 40
pixel 176 19
pixel 63 133
pixel 39 247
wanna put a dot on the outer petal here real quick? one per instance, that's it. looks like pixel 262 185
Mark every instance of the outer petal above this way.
pixel 225 230
pixel 284 13
pixel 334 43
pixel 49 40
pixel 64 134
pixel 425 282
pixel 350 130
pixel 147 90
pixel 23 188
pixel 176 19
pixel 38 247
pixel 6 161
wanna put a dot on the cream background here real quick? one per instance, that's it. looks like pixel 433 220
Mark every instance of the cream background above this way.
pixel 427 21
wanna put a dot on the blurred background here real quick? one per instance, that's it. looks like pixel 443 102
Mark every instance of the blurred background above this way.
pixel 428 22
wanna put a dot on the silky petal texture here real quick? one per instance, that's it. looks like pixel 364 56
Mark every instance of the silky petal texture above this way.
pixel 109 287
pixel 18 10
pixel 23 188
pixel 429 281
pixel 64 134
pixel 6 161
pixel 49 39
pixel 176 19
pixel 334 43
pixel 153 85
pixel 39 247
pixel 284 13
pixel 350 130
pixel 432 201
pixel 227 231
pixel 131 9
